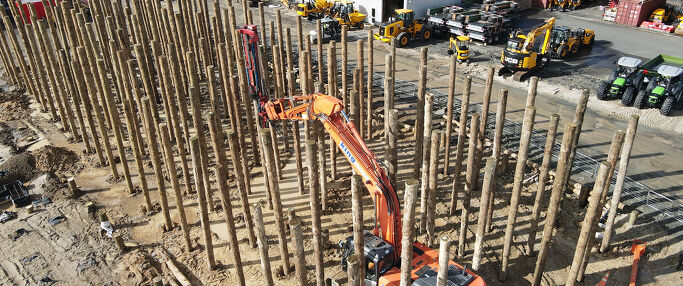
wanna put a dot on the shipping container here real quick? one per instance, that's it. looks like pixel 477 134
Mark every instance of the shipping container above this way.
pixel 633 12
pixel 37 4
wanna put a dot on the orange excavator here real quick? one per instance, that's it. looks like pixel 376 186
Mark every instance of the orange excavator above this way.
pixel 383 244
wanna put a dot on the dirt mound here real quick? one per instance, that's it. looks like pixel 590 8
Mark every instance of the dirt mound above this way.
pixel 56 159
pixel 21 167
pixel 138 268
pixel 50 186
pixel 13 105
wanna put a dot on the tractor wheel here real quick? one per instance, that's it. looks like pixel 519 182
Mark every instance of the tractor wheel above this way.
pixel 627 97
pixel 667 106
pixel 427 35
pixel 562 52
pixel 575 49
pixel 602 90
pixel 360 26
pixel 402 39
pixel 640 100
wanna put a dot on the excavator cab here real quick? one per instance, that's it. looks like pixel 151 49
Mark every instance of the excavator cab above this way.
pixel 406 16
pixel 378 257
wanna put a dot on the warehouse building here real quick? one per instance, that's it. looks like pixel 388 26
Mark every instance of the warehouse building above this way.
pixel 381 10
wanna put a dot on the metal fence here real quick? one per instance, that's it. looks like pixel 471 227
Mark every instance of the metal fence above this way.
pixel 634 193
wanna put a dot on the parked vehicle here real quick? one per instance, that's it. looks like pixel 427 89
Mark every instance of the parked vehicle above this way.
pixel 404 27
pixel 565 43
pixel 664 91
pixel 344 12
pixel 624 82
pixel 661 15
pixel 313 9
pixel 460 45
pixel 521 57
pixel 331 30
pixel 564 5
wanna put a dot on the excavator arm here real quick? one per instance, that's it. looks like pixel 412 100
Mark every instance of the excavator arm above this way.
pixel 329 110
pixel 545 29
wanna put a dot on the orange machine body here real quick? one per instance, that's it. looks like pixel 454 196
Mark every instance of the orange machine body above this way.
pixel 426 264
pixel 329 110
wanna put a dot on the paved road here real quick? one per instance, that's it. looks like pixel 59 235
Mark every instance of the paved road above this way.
pixel 612 41
pixel 656 160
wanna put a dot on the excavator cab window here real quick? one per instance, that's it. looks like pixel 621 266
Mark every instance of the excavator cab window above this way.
pixel 377 266
pixel 462 45
pixel 514 45
pixel 407 19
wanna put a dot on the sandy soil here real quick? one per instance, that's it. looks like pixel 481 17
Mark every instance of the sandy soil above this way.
pixel 75 250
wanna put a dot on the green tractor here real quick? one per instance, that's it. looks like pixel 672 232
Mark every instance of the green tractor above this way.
pixel 664 91
pixel 624 82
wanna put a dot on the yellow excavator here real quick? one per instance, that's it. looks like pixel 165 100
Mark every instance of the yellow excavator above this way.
pixel 403 27
pixel 523 56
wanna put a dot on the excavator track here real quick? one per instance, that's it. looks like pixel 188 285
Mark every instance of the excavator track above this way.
pixel 520 76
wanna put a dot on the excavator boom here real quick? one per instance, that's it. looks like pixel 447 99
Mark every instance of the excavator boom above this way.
pixel 383 247
pixel 328 110
pixel 546 29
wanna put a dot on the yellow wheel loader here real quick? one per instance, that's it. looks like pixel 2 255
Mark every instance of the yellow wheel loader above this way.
pixel 566 43
pixel 404 28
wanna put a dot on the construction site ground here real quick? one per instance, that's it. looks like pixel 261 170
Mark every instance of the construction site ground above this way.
pixel 76 252
pixel 656 160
